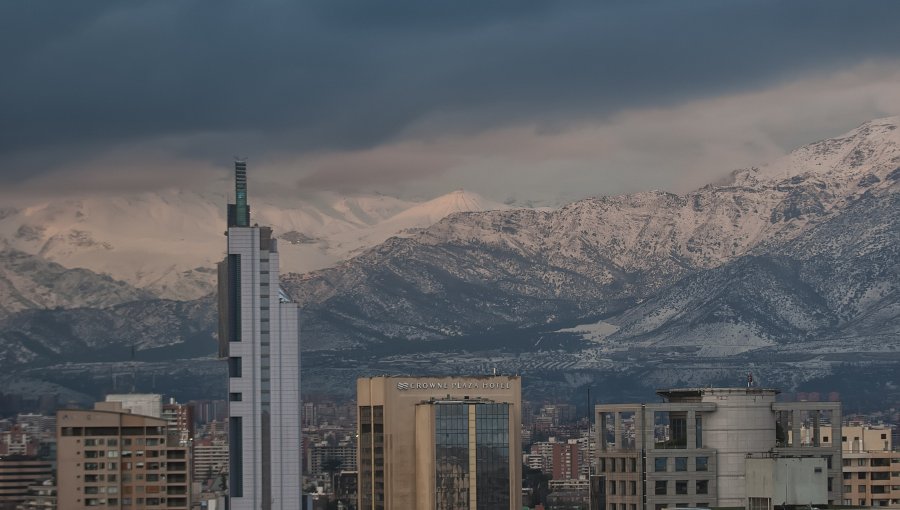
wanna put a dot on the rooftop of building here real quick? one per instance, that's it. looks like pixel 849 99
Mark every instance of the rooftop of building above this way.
pixel 445 377
pixel 696 394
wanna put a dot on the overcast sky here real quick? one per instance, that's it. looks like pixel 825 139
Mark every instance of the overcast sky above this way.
pixel 518 100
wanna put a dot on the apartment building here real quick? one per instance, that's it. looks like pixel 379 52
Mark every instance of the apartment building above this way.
pixel 110 458
pixel 871 469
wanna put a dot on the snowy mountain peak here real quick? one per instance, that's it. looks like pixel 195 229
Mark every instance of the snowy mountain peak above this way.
pixel 872 146
pixel 165 241
pixel 438 208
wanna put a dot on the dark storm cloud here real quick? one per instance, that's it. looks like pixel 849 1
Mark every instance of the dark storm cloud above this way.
pixel 295 77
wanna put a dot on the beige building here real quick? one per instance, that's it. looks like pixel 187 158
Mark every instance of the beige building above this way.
pixel 694 449
pixel 439 443
pixel 871 468
pixel 110 458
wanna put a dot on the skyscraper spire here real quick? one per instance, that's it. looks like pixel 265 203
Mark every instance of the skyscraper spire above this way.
pixel 242 209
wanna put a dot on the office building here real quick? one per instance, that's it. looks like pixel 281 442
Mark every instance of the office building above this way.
pixel 144 404
pixel 259 335
pixel 110 458
pixel 871 467
pixel 718 447
pixel 439 443
pixel 17 474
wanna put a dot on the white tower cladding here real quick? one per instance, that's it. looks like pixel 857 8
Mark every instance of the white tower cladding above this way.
pixel 259 335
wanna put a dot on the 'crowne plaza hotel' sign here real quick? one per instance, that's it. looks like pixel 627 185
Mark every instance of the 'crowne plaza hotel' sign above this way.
pixel 454 385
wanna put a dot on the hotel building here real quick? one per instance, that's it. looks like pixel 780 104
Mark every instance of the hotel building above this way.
pixel 439 443
pixel 719 447
pixel 259 335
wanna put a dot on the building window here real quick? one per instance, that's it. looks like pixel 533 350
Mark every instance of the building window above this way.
pixel 235 397
pixel 681 487
pixel 698 432
pixel 758 503
pixel 681 463
pixel 702 487
pixel 701 464
pixel 234 367
pixel 633 488
pixel 659 464
pixel 670 429
pixel 633 463
pixel 661 488
pixel 612 487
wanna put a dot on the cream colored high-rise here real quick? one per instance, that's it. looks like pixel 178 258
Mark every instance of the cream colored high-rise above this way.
pixel 439 443
pixel 109 458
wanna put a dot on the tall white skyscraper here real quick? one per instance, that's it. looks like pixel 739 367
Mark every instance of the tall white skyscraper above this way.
pixel 259 335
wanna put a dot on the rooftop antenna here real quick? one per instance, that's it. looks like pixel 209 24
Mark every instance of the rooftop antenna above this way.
pixel 749 379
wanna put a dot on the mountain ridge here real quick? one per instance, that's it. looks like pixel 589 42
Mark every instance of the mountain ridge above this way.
pixel 792 274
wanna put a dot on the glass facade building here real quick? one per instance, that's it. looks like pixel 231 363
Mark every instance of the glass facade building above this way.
pixel 471 454
pixel 453 451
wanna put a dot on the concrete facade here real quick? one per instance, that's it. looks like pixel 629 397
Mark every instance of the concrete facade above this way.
pixel 109 458
pixel 797 481
pixel 144 404
pixel 871 467
pixel 693 448
pixel 403 426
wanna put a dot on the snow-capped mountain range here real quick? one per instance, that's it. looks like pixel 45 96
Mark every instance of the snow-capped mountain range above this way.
pixel 167 243
pixel 596 256
pixel 792 268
